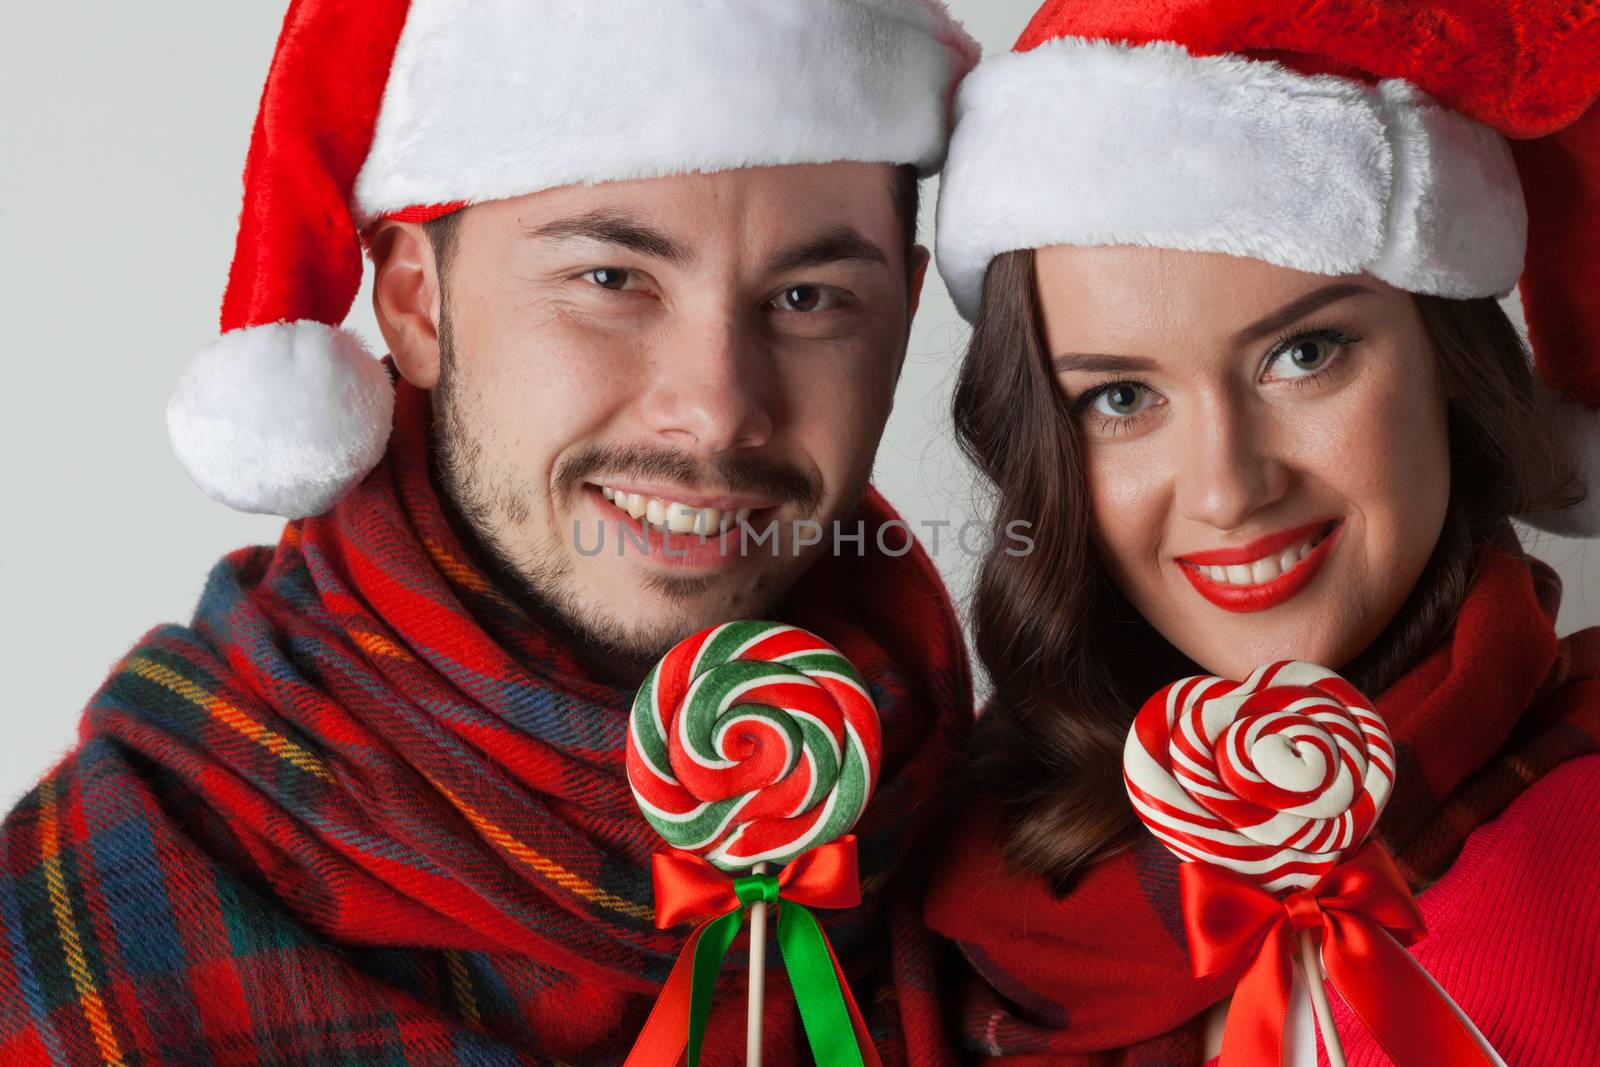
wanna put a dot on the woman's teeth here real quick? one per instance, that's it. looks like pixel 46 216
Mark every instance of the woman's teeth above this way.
pixel 674 517
pixel 1264 569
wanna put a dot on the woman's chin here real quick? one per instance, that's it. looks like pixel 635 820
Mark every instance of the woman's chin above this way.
pixel 1236 655
pixel 1324 624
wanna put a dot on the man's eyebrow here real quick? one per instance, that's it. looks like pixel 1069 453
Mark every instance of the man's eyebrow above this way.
pixel 840 244
pixel 1297 309
pixel 1101 361
pixel 615 228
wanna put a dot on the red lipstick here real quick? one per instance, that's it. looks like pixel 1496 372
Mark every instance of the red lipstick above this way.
pixel 1247 598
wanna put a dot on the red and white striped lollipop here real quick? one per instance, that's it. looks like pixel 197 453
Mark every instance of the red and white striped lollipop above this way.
pixel 1275 777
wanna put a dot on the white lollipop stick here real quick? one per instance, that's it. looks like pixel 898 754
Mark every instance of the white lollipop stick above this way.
pixel 1319 999
pixel 758 975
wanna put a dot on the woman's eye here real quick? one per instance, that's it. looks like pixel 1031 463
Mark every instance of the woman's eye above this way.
pixel 1304 356
pixel 609 277
pixel 806 299
pixel 1121 400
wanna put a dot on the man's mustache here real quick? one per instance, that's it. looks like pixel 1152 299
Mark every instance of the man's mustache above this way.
pixel 732 473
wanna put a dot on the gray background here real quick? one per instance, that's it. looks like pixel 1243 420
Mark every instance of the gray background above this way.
pixel 123 130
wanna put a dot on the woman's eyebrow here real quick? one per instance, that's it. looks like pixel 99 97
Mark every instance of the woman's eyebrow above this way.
pixel 1297 309
pixel 1101 361
pixel 1277 321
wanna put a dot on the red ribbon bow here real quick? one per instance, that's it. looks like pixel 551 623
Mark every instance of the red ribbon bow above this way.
pixel 1364 912
pixel 689 889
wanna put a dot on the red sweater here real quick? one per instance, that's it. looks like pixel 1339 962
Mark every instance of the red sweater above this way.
pixel 1514 929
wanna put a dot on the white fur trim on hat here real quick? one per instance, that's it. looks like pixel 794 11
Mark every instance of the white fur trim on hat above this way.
pixel 498 98
pixel 1090 143
pixel 283 418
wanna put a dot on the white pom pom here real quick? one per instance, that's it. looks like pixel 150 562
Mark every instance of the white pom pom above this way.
pixel 281 419
pixel 1579 427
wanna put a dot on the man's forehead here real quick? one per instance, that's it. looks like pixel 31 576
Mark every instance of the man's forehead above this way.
pixel 786 212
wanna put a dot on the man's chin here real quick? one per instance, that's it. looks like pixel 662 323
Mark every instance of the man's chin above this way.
pixel 622 614
pixel 637 641
pixel 641 622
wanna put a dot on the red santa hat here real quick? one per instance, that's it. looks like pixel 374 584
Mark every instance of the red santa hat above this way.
pixel 1449 148
pixel 390 108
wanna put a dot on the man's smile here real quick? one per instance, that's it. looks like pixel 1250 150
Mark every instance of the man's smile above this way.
pixel 682 511
pixel 675 533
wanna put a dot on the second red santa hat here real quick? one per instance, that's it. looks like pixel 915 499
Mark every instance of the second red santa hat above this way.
pixel 1449 148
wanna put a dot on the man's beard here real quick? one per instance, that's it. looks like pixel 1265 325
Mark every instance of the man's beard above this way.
pixel 487 499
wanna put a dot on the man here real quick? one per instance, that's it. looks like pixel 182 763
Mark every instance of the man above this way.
pixel 370 805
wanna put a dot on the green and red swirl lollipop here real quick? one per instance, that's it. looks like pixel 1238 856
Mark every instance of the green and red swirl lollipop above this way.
pixel 754 746
pixel 752 742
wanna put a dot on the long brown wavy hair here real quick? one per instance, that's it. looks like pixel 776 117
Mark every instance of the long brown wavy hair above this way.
pixel 1069 657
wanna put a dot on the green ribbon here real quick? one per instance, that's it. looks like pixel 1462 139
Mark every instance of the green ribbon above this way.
pixel 805 956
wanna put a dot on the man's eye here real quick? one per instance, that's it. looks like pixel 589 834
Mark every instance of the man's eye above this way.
pixel 609 277
pixel 806 298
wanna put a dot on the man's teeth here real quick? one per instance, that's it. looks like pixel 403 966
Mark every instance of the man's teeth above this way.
pixel 674 517
pixel 1264 569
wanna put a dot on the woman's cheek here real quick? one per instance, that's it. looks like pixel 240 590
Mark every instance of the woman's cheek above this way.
pixel 1129 493
pixel 1393 457
pixel 1422 491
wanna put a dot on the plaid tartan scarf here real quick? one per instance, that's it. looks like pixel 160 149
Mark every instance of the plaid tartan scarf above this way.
pixel 1101 976
pixel 362 810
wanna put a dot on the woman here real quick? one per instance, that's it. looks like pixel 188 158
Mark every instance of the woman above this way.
pixel 1238 361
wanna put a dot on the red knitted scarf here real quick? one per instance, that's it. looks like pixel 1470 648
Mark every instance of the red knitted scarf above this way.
pixel 1102 975
pixel 363 809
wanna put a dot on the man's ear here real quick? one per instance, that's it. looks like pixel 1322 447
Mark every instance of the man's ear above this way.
pixel 920 257
pixel 406 298
pixel 918 274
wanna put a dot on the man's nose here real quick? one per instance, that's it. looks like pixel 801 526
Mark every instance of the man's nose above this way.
pixel 1230 465
pixel 712 385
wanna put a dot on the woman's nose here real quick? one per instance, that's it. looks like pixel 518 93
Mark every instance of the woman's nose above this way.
pixel 1230 467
